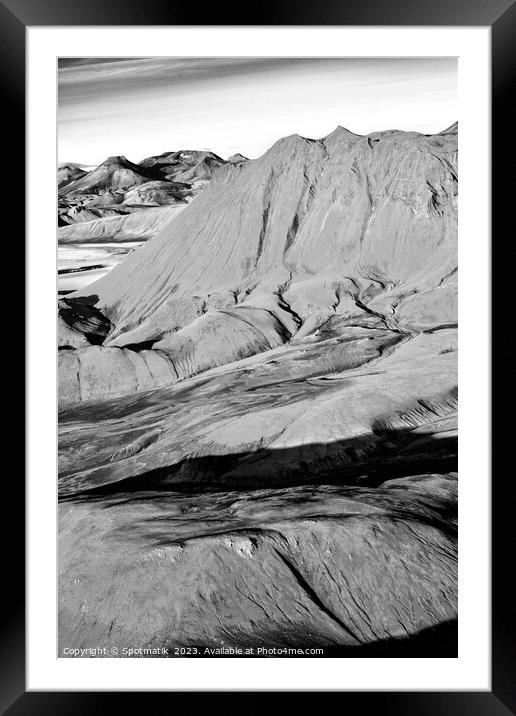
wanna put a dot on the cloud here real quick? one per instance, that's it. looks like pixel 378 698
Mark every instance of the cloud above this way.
pixel 142 106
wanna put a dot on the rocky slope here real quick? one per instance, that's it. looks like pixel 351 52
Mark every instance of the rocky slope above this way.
pixel 257 438
pixel 314 509
pixel 115 175
pixel 67 173
pixel 118 188
pixel 185 165
pixel 135 226
pixel 114 189
pixel 326 566
pixel 237 158
pixel 330 234
pixel 379 209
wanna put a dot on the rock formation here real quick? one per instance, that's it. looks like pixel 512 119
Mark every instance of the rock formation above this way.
pixel 118 188
pixel 259 407
pixel 67 173
pixel 119 227
pixel 312 236
pixel 237 158
pixel 185 165
pixel 326 566
pixel 115 175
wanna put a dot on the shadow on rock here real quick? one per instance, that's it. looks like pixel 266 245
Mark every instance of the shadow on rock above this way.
pixel 359 461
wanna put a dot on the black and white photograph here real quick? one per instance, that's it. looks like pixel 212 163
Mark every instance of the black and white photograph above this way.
pixel 257 357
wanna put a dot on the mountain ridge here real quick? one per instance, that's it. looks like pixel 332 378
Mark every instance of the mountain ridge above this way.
pixel 288 157
pixel 343 228
pixel 258 410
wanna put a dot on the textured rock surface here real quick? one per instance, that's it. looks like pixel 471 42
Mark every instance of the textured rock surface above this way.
pixel 67 173
pixel 115 175
pixel 364 549
pixel 117 188
pixel 68 337
pixel 237 158
pixel 281 400
pixel 377 210
pixel 333 232
pixel 260 446
pixel 156 193
pixel 82 317
pixel 185 165
pixel 111 191
pixel 317 566
pixel 137 226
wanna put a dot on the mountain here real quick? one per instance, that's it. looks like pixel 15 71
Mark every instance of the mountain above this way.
pixel 237 158
pixel 117 187
pixel 262 423
pixel 318 230
pixel 67 173
pixel 115 175
pixel 357 571
pixel 185 165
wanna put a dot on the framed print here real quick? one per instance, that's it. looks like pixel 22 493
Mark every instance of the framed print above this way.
pixel 255 430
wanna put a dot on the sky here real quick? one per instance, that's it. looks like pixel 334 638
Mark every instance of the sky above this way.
pixel 139 107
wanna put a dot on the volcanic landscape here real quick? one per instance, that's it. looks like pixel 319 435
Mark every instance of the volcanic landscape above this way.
pixel 258 397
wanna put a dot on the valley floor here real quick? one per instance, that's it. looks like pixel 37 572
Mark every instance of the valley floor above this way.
pixel 80 264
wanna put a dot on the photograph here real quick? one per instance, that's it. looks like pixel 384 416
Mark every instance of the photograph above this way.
pixel 257 274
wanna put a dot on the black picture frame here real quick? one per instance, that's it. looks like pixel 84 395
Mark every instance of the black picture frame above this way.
pixel 500 16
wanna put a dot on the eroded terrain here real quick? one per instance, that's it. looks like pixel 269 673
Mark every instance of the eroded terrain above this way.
pixel 258 422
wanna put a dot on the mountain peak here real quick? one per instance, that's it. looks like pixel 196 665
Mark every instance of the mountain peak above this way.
pixel 237 158
pixel 289 143
pixel 116 160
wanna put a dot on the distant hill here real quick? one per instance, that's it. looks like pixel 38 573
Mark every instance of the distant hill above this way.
pixel 237 158
pixel 118 186
pixel 67 173
pixel 259 408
